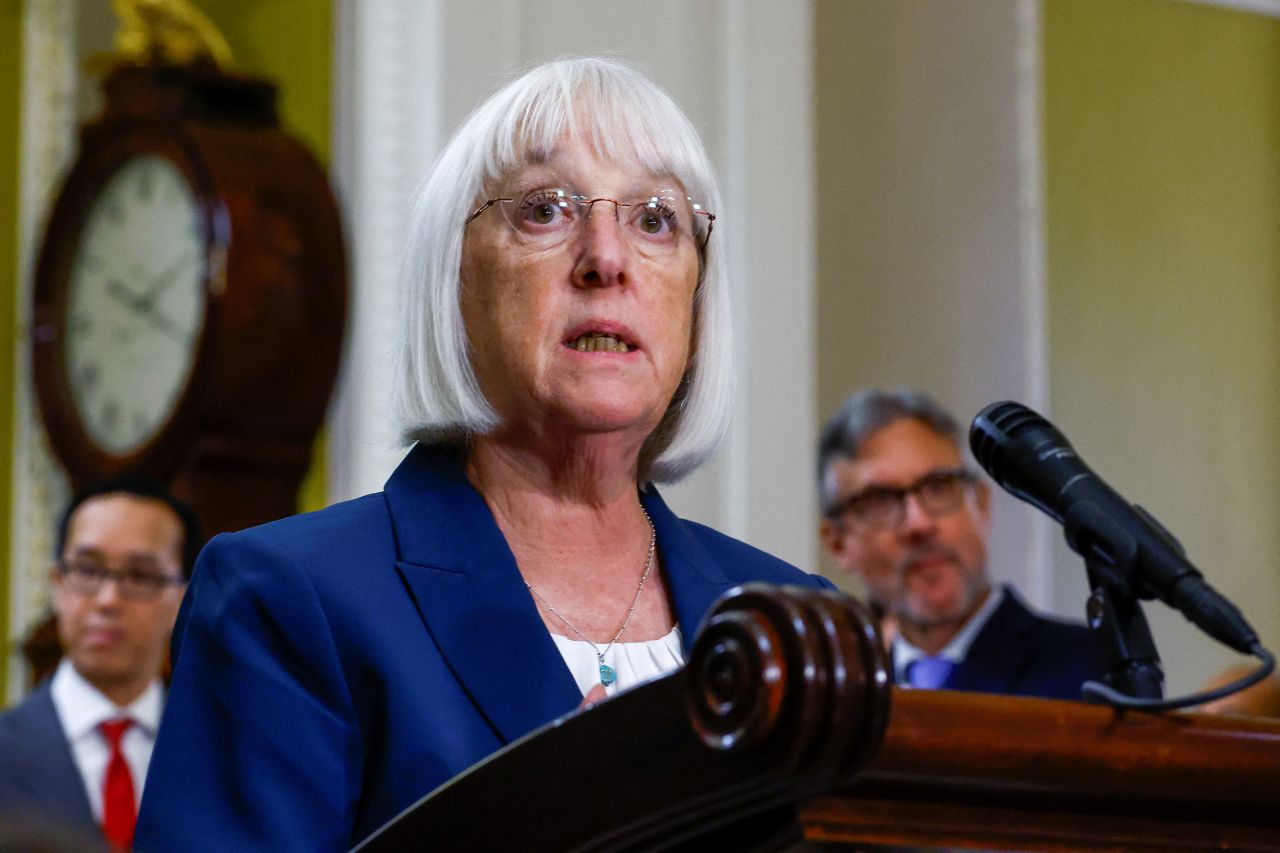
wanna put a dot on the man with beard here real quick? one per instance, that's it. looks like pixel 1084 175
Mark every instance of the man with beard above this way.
pixel 903 512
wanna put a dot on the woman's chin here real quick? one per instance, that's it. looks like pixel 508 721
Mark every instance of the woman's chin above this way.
pixel 592 417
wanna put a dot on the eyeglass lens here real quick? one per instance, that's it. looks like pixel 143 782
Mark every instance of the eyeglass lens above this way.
pixel 939 493
pixel 87 578
pixel 654 223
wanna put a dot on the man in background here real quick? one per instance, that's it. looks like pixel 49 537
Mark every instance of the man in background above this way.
pixel 75 752
pixel 903 512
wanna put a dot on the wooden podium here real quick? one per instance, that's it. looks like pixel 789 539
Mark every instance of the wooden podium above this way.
pixel 783 730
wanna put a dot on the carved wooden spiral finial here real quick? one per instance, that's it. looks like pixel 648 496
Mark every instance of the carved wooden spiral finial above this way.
pixel 796 674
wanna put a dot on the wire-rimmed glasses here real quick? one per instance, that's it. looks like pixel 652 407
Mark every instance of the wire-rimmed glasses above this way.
pixel 87 577
pixel 654 223
pixel 939 492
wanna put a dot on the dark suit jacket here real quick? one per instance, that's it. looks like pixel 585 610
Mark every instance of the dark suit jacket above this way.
pixel 334 667
pixel 38 776
pixel 1020 653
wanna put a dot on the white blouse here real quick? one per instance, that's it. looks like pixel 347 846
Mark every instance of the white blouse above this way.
pixel 633 663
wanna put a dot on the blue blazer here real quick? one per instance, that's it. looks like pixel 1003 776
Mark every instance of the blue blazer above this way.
pixel 1020 653
pixel 38 775
pixel 332 668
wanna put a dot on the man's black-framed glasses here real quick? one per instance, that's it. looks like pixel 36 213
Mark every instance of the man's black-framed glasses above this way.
pixel 939 492
pixel 86 577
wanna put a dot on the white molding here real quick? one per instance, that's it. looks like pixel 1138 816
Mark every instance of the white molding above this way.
pixel 767 490
pixel 46 143
pixel 388 78
pixel 735 485
pixel 1269 8
pixel 1038 585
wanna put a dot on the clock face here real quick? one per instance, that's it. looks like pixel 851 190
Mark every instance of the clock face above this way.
pixel 135 304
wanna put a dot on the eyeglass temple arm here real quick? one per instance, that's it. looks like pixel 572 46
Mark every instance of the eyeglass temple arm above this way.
pixel 482 208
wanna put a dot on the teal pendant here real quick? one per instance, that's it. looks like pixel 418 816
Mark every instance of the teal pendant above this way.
pixel 607 675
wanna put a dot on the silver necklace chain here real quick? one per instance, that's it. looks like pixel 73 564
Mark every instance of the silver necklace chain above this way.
pixel 648 567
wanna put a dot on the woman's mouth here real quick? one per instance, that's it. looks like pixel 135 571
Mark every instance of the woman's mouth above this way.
pixel 599 342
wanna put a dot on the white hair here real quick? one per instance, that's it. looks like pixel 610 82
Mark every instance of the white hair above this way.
pixel 622 116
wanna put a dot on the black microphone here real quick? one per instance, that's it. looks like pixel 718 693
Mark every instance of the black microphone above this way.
pixel 1031 460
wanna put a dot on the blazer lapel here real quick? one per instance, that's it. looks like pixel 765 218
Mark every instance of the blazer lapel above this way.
pixel 998 653
pixel 464 580
pixel 48 768
pixel 692 575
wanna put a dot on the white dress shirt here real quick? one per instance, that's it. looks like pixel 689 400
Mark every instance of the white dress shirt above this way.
pixel 633 663
pixel 905 654
pixel 81 707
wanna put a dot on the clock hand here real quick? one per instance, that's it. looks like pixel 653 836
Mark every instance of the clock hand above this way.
pixel 141 307
pixel 165 279
pixel 164 324
pixel 128 298
pixel 117 288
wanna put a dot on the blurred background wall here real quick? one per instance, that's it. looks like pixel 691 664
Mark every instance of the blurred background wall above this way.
pixel 1162 164
pixel 1072 203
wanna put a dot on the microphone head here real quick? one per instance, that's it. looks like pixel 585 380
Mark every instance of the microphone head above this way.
pixel 1024 454
pixel 993 431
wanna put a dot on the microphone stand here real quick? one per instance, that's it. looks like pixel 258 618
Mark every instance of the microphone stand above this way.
pixel 1119 626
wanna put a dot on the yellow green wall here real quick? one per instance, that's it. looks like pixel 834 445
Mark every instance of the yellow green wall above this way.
pixel 290 42
pixel 10 101
pixel 1162 157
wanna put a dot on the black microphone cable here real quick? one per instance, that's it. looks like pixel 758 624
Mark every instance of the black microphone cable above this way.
pixel 1105 694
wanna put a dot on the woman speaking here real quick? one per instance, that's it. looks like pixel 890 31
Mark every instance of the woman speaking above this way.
pixel 564 344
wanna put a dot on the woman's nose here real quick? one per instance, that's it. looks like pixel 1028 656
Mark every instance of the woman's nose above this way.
pixel 604 253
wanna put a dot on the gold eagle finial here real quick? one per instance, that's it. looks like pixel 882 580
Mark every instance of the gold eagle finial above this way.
pixel 171 32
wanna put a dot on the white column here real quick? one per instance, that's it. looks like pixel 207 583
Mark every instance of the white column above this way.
pixel 766 487
pixel 388 78
pixel 47 140
pixel 1036 580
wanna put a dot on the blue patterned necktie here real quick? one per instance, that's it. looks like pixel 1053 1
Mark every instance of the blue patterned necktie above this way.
pixel 928 672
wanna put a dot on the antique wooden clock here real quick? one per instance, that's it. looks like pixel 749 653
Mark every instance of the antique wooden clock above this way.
pixel 190 294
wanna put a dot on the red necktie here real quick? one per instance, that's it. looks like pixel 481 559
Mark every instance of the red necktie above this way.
pixel 119 810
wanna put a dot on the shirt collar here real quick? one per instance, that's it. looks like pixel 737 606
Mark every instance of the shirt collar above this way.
pixel 81 706
pixel 904 653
